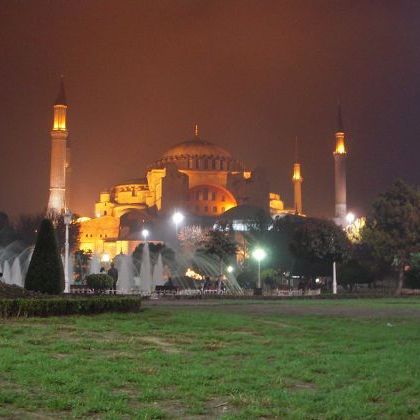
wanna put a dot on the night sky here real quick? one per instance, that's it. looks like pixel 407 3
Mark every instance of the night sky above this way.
pixel 252 74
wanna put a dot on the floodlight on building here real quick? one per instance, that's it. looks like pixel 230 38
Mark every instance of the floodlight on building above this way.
pixel 350 218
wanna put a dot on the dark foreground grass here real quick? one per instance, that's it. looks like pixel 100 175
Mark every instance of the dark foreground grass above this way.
pixel 207 362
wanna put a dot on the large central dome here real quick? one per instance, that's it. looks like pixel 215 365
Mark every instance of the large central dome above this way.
pixel 197 154
pixel 196 148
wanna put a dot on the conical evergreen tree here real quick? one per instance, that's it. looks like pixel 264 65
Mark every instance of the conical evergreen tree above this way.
pixel 45 272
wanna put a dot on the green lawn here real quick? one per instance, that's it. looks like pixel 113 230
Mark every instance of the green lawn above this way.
pixel 296 359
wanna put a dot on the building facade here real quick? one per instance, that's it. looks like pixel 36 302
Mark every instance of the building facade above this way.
pixel 195 176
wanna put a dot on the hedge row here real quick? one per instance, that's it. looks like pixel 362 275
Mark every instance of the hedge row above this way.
pixel 67 306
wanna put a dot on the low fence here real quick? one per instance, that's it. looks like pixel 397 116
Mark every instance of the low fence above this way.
pixel 173 291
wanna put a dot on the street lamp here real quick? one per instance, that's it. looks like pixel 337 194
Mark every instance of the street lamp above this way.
pixel 145 234
pixel 229 269
pixel 67 220
pixel 259 254
pixel 177 218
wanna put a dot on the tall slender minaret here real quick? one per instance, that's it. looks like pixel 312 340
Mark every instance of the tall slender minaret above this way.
pixel 297 182
pixel 340 172
pixel 59 134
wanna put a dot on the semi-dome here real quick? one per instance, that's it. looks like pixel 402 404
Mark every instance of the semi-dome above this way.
pixel 196 147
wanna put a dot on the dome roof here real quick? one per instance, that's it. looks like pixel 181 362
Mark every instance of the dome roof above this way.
pixel 196 147
pixel 245 212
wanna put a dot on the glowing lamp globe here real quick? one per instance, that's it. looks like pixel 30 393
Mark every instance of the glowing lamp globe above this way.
pixel 259 254
pixel 67 217
pixel 177 218
pixel 145 233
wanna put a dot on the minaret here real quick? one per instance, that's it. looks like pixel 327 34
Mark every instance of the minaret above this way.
pixel 196 131
pixel 68 173
pixel 340 172
pixel 59 163
pixel 297 183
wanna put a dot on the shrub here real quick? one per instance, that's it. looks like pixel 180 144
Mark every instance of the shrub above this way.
pixel 45 272
pixel 247 279
pixel 99 281
pixel 67 306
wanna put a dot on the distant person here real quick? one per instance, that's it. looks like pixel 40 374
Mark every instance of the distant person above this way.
pixel 220 285
pixel 169 283
pixel 207 284
pixel 113 272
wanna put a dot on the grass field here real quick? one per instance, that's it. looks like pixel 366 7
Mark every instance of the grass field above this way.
pixel 295 359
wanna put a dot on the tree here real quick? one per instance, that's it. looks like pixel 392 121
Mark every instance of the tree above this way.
pixel 81 264
pixel 219 245
pixel 45 272
pixel 412 276
pixel 7 233
pixel 74 232
pixel 393 227
pixel 320 243
pixel 190 238
pixel 27 227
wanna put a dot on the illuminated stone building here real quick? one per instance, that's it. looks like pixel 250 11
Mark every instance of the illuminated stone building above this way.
pixel 198 177
pixel 60 156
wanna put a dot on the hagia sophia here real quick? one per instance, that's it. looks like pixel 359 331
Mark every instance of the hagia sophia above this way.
pixel 195 176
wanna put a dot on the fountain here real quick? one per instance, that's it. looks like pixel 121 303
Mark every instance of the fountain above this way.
pixel 158 273
pixel 95 264
pixel 125 274
pixel 16 273
pixel 26 257
pixel 145 271
pixel 232 284
pixel 7 275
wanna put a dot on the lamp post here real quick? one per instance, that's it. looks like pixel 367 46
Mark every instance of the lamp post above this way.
pixel 177 218
pixel 145 234
pixel 259 254
pixel 67 221
pixel 334 278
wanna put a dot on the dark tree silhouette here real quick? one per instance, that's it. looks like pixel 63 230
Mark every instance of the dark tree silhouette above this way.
pixel 393 227
pixel 219 245
pixel 45 272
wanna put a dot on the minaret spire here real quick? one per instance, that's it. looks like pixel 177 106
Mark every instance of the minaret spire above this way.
pixel 59 154
pixel 340 125
pixel 297 181
pixel 61 97
pixel 196 131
